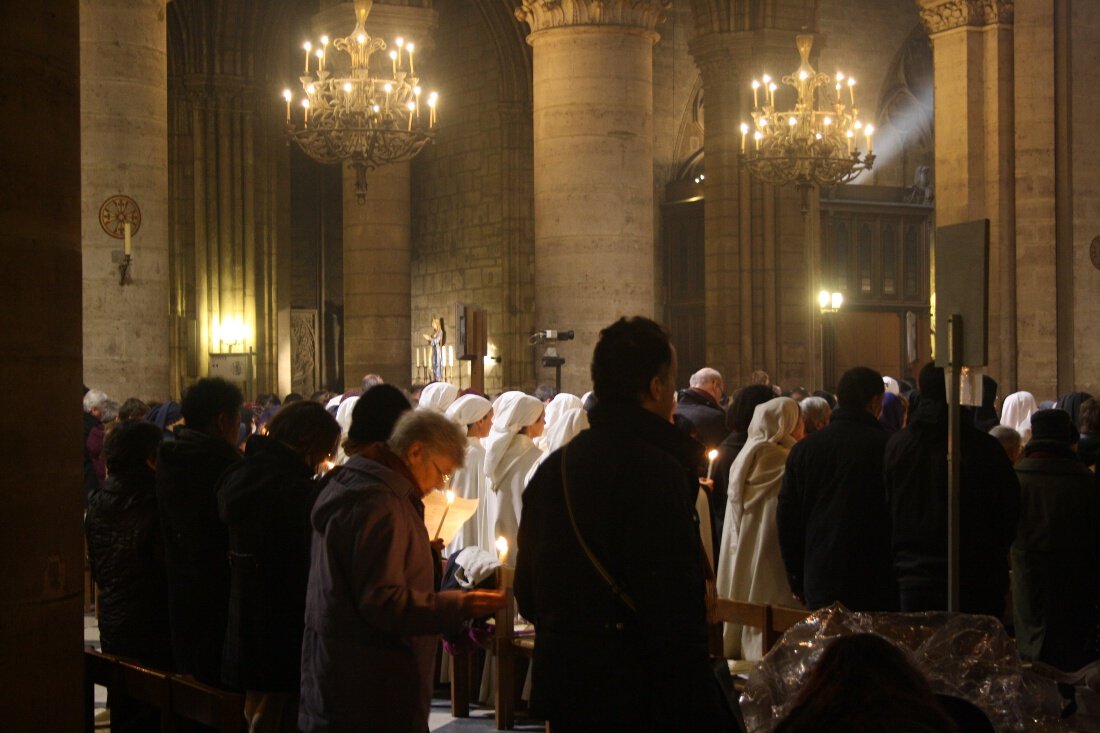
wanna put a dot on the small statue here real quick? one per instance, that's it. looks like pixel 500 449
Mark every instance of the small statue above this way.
pixel 437 340
pixel 921 191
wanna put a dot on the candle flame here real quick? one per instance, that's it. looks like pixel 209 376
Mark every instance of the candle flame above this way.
pixel 713 454
pixel 502 548
pixel 450 496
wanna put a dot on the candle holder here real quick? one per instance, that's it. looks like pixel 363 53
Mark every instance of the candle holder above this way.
pixel 124 270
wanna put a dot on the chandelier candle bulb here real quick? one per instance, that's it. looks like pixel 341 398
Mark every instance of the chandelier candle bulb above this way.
pixel 412 70
pixel 308 47
pixel 744 134
pixel 755 88
pixel 868 132
pixel 320 60
pixel 771 94
pixel 852 90
pixel 393 62
pixel 287 96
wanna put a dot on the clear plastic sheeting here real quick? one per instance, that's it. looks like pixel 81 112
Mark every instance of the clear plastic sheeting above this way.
pixel 967 656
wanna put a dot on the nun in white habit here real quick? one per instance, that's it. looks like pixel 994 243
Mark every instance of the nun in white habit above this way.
pixel 1016 414
pixel 509 455
pixel 474 414
pixel 566 426
pixel 438 396
pixel 750 566
pixel 343 417
pixel 555 408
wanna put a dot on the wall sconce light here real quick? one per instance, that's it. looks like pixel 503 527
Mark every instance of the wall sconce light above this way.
pixel 231 332
pixel 830 302
pixel 120 217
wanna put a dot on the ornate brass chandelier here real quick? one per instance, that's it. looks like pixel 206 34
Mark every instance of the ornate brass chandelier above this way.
pixel 348 114
pixel 816 143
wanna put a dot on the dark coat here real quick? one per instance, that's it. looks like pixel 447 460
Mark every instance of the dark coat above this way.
pixel 727 454
pixel 597 663
pixel 195 544
pixel 126 555
pixel 91 481
pixel 707 418
pixel 266 501
pixel 916 487
pixel 1088 448
pixel 1056 560
pixel 834 522
pixel 373 617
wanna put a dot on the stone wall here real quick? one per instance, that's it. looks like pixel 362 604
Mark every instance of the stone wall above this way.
pixel 460 226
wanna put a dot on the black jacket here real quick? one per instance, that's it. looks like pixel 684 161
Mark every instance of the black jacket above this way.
pixel 126 555
pixel 91 482
pixel 195 545
pixel 266 501
pixel 727 454
pixel 707 418
pixel 1056 558
pixel 916 487
pixel 834 522
pixel 596 662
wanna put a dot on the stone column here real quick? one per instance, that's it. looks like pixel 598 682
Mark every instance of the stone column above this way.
pixel 377 277
pixel 40 341
pixel 593 129
pixel 124 150
pixel 378 233
pixel 975 176
pixel 754 232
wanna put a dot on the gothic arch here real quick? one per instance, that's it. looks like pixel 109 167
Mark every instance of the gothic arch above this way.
pixel 730 16
pixel 905 114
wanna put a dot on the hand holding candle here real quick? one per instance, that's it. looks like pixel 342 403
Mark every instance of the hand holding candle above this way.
pixel 712 455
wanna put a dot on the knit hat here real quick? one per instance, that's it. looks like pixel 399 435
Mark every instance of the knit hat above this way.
pixel 1053 425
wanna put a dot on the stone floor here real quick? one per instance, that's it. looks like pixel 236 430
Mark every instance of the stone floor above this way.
pixel 440 721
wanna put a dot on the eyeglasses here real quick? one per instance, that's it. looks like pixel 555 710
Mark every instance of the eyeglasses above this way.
pixel 442 474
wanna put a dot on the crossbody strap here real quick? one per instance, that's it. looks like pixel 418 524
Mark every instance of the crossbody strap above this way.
pixel 616 589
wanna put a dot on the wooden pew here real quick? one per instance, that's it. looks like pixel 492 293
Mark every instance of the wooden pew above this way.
pixel 125 678
pixel 508 647
pixel 178 698
pixel 191 700
pixel 780 619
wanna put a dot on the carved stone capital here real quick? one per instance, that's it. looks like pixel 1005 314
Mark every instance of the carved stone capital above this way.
pixel 543 15
pixel 945 15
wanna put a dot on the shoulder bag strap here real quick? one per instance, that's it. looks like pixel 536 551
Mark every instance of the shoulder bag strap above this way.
pixel 615 587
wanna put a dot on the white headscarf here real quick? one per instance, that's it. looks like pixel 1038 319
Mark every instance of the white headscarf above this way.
pixel 772 423
pixel 567 426
pixel 554 410
pixel 512 412
pixel 1016 413
pixel 892 386
pixel 468 409
pixel 438 396
pixel 343 414
pixel 343 417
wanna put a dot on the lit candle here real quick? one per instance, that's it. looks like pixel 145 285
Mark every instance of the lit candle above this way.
pixel 411 106
pixel 305 106
pixel 287 96
pixel 849 137
pixel 757 137
pixel 126 244
pixel 416 94
pixel 412 70
pixel 713 454
pixel 868 132
pixel 771 94
pixel 502 550
pixel 393 62
pixel 320 60
pixel 450 500
pixel 755 88
pixel 433 99
pixel 852 90
pixel 417 350
pixel 744 134
pixel 308 47
pixel 324 50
